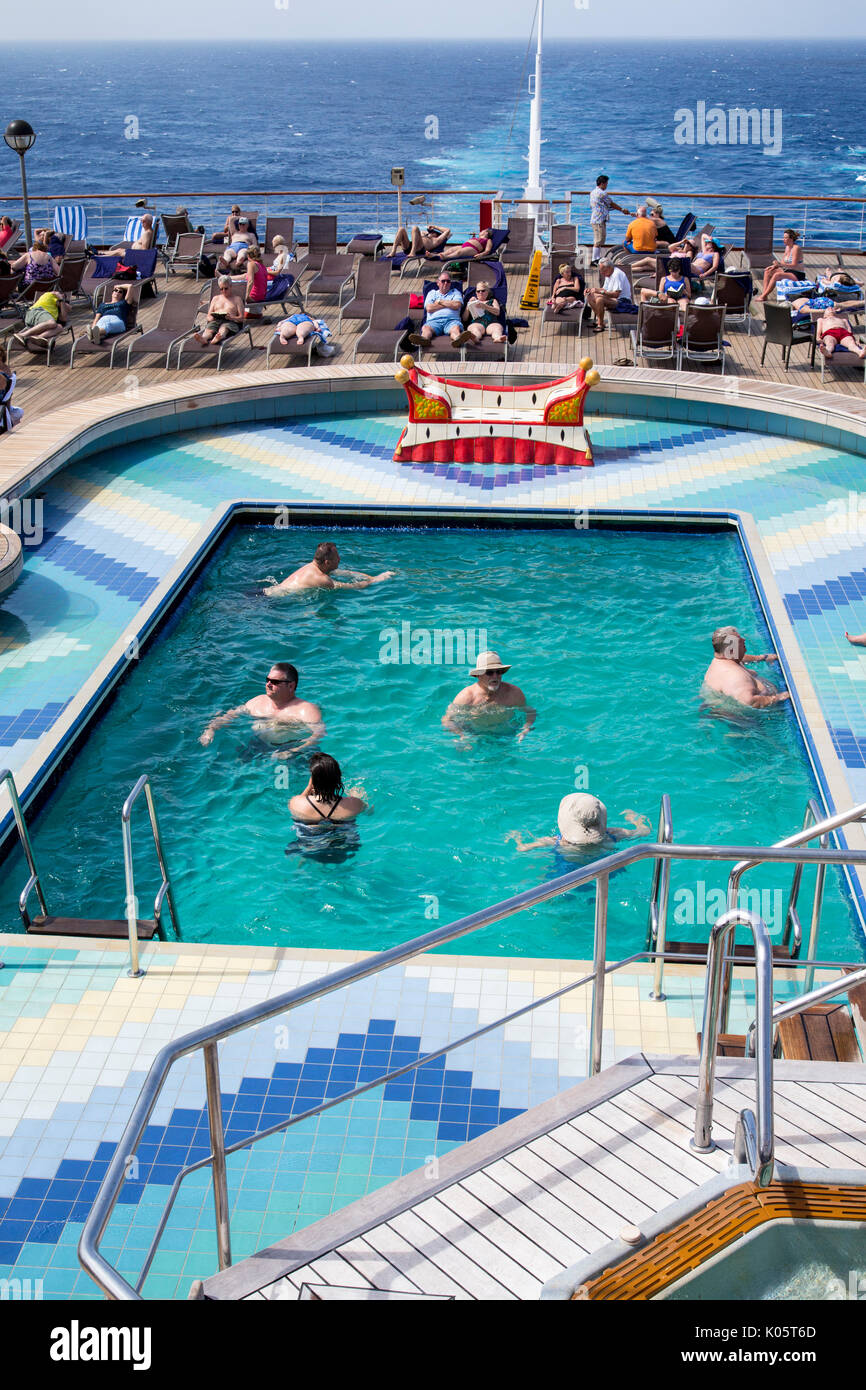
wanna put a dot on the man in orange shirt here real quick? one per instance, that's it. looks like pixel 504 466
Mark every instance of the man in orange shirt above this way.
pixel 641 234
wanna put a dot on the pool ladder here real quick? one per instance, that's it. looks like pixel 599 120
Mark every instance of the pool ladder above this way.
pixel 136 928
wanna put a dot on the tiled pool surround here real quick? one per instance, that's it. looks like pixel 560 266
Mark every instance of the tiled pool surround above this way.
pixel 76 1036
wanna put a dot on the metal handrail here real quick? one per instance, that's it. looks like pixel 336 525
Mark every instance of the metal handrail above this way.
pixel 164 893
pixel 7 779
pixel 841 984
pixel 757 1130
pixel 113 1283
pixel 657 917
pixel 819 830
pixel 793 925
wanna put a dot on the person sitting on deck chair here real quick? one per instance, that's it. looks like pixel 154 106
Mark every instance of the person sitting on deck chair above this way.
pixel 225 315
pixel 614 292
pixel 443 307
pixel 235 254
pixel 641 233
pixel 482 314
pixel 113 316
pixel 143 242
pixel 568 289
pixel 425 243
pixel 790 267
pixel 674 288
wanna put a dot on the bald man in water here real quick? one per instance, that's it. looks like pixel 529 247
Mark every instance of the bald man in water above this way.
pixel 727 673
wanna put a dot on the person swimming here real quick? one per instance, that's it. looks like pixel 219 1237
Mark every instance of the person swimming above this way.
pixel 323 813
pixel 278 716
pixel 727 676
pixel 583 828
pixel 488 699
pixel 317 574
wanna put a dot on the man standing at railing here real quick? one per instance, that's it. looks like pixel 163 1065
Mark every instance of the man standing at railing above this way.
pixel 727 674
pixel 600 206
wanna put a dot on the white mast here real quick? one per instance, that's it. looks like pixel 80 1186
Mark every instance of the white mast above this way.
pixel 534 187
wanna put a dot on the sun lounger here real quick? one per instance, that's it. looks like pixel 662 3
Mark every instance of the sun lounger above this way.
pixel 9 286
pixel 758 243
pixel 321 242
pixel 563 247
pixel 189 345
pixel 421 265
pixel 335 275
pixel 735 292
pixel 83 347
pixel 176 320
pixel 842 357
pixel 371 278
pixel 572 317
pixel 185 254
pixel 521 241
pixel 301 352
pixel 655 337
pixel 703 335
pixel 386 331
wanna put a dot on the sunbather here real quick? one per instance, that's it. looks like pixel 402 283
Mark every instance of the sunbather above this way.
pixel 482 315
pixel 641 232
pixel 143 242
pixel 425 243
pixel 688 248
pixel 37 264
pixel 674 288
pixel 283 257
pixel 112 317
pixel 257 280
pixel 707 261
pixel 7 232
pixel 832 331
pixel 44 319
pixel 664 235
pixel 225 315
pixel 614 294
pixel 235 254
pixel 790 267
pixel 475 248
pixel 568 289
pixel 443 307
pixel 297 328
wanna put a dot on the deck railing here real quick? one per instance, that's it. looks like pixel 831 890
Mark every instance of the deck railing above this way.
pixel 833 222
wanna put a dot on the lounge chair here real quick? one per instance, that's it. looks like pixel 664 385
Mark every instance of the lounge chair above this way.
pixel 758 242
pixel 655 337
pixel 386 331
pixel 9 286
pixel 572 317
pixel 134 229
pixel 521 241
pixel 703 334
pixel 12 241
pixel 841 357
pixel 71 221
pixel 781 328
pixel 333 278
pixel 735 292
pixel 71 275
pixel 176 320
pixel 686 226
pixel 563 247
pixel 82 345
pixel 321 242
pixel 9 416
pixel 300 351
pixel 371 278
pixel 185 254
pixel 189 344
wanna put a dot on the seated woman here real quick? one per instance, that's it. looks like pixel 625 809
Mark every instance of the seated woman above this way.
pixel 235 254
pixel 283 258
pixel 113 316
pixel 257 279
pixel 583 829
pixel 706 262
pixel 425 243
pixel 674 288
pixel 475 248
pixel 687 247
pixel 568 289
pixel 664 235
pixel 323 813
pixel 225 315
pixel 832 331
pixel 37 264
pixel 44 320
pixel 482 316
pixel 790 267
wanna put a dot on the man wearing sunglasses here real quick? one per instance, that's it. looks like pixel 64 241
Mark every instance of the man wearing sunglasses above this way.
pixel 280 716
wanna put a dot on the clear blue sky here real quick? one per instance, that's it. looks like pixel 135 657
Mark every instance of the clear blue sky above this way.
pixel 347 19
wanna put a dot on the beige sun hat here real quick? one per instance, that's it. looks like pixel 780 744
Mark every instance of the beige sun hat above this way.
pixel 582 819
pixel 488 661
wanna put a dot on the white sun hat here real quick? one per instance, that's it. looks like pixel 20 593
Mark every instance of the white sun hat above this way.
pixel 488 661
pixel 582 819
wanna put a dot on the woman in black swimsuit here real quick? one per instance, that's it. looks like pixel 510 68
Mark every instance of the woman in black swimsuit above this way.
pixel 323 808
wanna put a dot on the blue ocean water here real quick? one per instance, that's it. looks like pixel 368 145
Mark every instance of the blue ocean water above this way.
pixel 257 116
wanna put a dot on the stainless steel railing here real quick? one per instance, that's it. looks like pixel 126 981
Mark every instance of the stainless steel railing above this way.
pixel 7 779
pixel 207 1038
pixel 657 918
pixel 164 892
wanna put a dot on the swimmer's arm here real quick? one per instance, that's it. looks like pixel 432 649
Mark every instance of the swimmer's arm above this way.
pixel 530 715
pixel 448 720
pixel 767 656
pixel 546 841
pixel 312 715
pixel 638 823
pixel 762 701
pixel 365 580
pixel 218 721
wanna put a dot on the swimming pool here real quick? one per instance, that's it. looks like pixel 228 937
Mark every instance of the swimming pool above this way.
pixel 608 634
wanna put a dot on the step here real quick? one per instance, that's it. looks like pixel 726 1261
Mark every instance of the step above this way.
pixel 824 1033
pixel 745 951
pixel 89 926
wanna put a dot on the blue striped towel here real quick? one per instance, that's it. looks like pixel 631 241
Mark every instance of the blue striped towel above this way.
pixel 71 220
pixel 134 228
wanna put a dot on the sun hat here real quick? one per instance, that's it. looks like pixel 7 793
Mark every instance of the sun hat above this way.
pixel 582 819
pixel 488 661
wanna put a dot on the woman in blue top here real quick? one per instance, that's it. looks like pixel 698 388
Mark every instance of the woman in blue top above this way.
pixel 674 288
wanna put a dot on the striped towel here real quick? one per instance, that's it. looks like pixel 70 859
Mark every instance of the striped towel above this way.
pixel 787 289
pixel 71 220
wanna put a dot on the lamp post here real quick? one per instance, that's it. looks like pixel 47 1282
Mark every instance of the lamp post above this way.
pixel 20 136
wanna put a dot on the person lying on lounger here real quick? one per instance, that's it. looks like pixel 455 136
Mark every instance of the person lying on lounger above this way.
pixel 425 243
pixel 475 248
pixel 44 319
pixel 235 254
pixel 832 331
pixel 225 315
pixel 112 316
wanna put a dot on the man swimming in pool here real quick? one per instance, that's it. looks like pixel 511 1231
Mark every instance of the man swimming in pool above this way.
pixel 488 698
pixel 727 674
pixel 279 715
pixel 317 574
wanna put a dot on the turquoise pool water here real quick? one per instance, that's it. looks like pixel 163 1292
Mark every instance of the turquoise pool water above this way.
pixel 608 633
